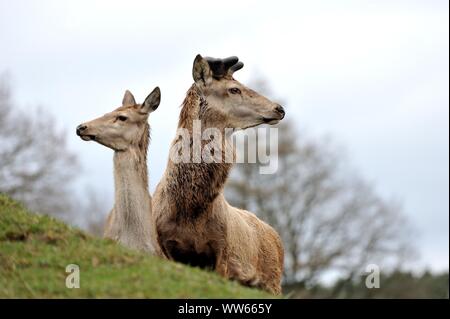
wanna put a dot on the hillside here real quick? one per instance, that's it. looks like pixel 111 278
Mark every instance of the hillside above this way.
pixel 35 250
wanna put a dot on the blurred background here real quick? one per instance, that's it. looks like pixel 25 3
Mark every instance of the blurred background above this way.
pixel 364 150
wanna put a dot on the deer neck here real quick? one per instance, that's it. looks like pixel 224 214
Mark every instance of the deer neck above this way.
pixel 194 186
pixel 130 181
pixel 132 207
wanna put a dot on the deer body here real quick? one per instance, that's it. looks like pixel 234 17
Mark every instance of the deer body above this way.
pixel 194 223
pixel 126 131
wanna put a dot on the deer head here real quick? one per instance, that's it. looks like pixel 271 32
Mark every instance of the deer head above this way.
pixel 125 126
pixel 229 100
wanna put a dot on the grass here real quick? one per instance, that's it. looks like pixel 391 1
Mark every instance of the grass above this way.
pixel 35 250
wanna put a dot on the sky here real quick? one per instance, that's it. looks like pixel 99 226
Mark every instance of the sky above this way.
pixel 373 75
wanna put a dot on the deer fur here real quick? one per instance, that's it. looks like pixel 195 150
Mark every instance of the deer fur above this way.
pixel 194 223
pixel 127 132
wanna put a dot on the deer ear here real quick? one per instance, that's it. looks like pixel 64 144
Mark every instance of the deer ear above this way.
pixel 201 72
pixel 128 99
pixel 152 101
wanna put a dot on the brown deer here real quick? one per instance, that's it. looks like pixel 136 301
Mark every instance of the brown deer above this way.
pixel 126 131
pixel 194 223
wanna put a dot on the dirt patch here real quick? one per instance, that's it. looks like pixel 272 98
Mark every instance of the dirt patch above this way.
pixel 16 236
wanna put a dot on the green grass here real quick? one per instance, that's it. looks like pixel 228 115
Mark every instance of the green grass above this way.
pixel 35 250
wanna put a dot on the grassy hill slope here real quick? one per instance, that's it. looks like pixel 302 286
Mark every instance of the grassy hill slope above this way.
pixel 35 250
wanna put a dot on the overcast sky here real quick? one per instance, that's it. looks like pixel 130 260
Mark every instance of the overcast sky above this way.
pixel 374 75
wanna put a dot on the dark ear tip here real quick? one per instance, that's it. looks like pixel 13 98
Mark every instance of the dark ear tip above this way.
pixel 157 93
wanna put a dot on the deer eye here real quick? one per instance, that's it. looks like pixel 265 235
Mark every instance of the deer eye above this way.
pixel 122 118
pixel 234 91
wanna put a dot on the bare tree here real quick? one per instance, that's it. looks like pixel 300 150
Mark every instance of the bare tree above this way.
pixel 94 210
pixel 329 218
pixel 35 165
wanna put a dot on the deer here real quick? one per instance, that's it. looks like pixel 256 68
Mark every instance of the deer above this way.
pixel 194 223
pixel 126 131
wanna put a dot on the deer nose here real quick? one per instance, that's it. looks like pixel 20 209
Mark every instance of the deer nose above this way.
pixel 81 128
pixel 280 110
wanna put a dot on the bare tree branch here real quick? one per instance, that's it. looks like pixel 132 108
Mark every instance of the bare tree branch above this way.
pixel 35 165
